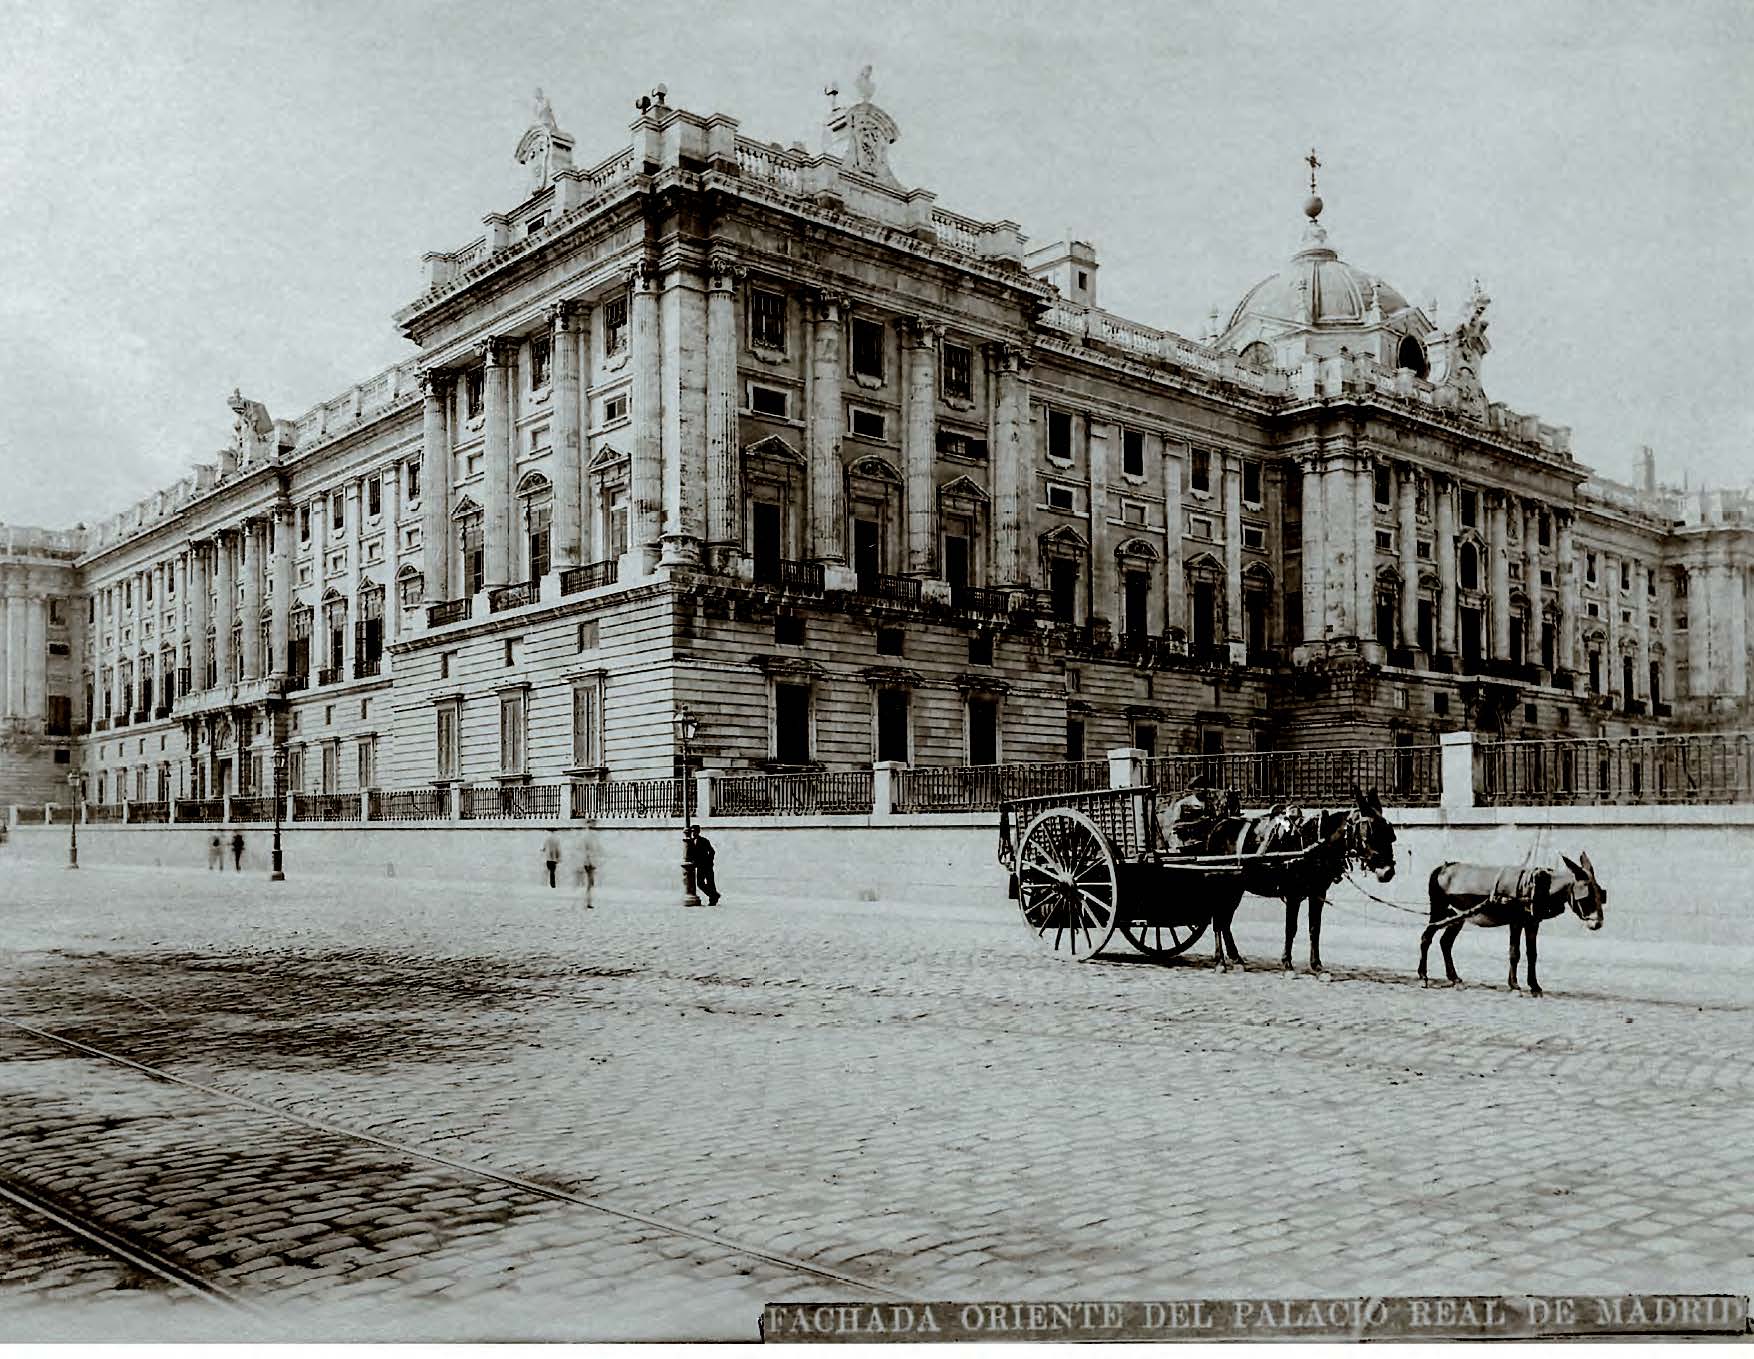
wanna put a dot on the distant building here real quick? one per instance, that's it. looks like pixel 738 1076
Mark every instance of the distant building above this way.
pixel 717 422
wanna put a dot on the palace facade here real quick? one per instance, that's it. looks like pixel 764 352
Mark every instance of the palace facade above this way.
pixel 719 423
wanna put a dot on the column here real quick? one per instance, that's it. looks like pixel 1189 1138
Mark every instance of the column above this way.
pixel 198 591
pixel 1443 498
pixel 589 549
pixel 1098 446
pixel 646 491
pixel 723 455
pixel 1565 578
pixel 1364 549
pixel 1340 516
pixel 118 653
pixel 137 652
pixel 392 561
pixel 1013 459
pixel 249 542
pixel 10 658
pixel 1699 588
pixel 180 622
pixel 435 485
pixel 1610 580
pixel 1175 607
pixel 1641 629
pixel 1407 486
pixel 1532 583
pixel 1232 548
pixel 496 467
pixel 280 586
pixel 568 452
pixel 920 452
pixel 350 582
pixel 1313 550
pixel 1735 680
pixel 1666 621
pixel 225 590
pixel 827 482
pixel 1500 568
pixel 683 328
pixel 34 657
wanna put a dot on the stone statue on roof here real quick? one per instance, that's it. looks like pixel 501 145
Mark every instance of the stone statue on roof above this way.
pixel 861 134
pixel 252 430
pixel 1467 345
pixel 543 148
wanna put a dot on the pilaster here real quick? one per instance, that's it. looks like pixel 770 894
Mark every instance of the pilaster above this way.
pixel 566 320
pixel 1175 607
pixel 919 443
pixel 1313 548
pixel 1443 497
pixel 827 481
pixel 496 464
pixel 646 474
pixel 1233 631
pixel 683 324
pixel 1407 536
pixel 724 471
pixel 435 485
pixel 1013 463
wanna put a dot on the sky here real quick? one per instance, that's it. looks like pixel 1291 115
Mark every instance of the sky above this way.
pixel 198 197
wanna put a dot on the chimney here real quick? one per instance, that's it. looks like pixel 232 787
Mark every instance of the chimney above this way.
pixel 1069 265
pixel 1647 469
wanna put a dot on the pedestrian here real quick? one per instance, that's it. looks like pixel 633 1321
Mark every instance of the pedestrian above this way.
pixel 551 852
pixel 587 842
pixel 701 855
pixel 215 853
pixel 237 851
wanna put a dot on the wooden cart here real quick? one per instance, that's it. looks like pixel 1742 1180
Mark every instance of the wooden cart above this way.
pixel 1086 866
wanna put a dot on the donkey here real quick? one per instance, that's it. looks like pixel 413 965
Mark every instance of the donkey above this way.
pixel 1475 894
pixel 1331 842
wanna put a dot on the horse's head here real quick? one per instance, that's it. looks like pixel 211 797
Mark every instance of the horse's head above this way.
pixel 1586 895
pixel 1228 803
pixel 1370 840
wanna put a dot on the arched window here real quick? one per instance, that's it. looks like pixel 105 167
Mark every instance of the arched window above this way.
pixel 874 503
pixel 1206 606
pixel 962 516
pixel 1256 357
pixel 1137 562
pixel 410 589
pixel 1064 557
pixel 1257 610
pixel 1388 598
pixel 1469 561
pixel 1412 355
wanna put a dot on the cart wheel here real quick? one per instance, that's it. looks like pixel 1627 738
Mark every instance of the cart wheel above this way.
pixel 1066 883
pixel 1162 942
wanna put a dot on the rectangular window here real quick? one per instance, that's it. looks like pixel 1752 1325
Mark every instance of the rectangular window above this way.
pixel 413 481
pixel 1422 549
pixel 1059 497
pixel 890 641
pixel 304 523
pixel 1145 738
pixel 866 424
pixel 337 511
pixel 60 716
pixel 1254 539
pixel 614 408
pixel 1074 738
pixel 615 325
pixel 1200 471
pixel 448 752
pixel 1136 604
pixel 535 224
pixel 1200 527
pixel 983 730
pixel 366 750
pixel 768 400
pixel 1589 567
pixel 474 392
pixel 1544 529
pixel 1133 453
pixel 1470 509
pixel 1060 435
pixel 1625 577
pixel 587 741
pixel 791 723
pixel 958 362
pixel 511 732
pixel 474 556
pixel 538 540
pixel 767 319
pixel 1063 580
pixel 1385 540
pixel 541 357
pixel 868 349
pixel 788 629
pixel 1251 482
pixel 1380 483
pixel 956 444
pixel 374 496
pixel 331 766
pixel 980 648
pixel 587 638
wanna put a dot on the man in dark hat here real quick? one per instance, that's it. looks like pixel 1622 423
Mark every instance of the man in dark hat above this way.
pixel 1186 823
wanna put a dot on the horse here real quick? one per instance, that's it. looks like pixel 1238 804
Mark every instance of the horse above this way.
pixel 1329 842
pixel 1478 894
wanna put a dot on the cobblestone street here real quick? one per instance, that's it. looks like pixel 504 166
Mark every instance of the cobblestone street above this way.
pixel 460 1112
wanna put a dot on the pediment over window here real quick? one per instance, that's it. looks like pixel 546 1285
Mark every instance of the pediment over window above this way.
pixel 465 508
pixel 876 469
pixel 1066 538
pixel 1140 548
pixel 1204 564
pixel 964 488
pixel 607 456
pixel 533 483
pixel 774 447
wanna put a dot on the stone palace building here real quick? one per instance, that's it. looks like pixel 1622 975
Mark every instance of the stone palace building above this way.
pixel 722 423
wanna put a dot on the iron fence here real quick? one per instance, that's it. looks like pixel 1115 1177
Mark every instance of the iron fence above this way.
pixel 630 799
pixel 31 815
pixel 58 815
pixel 504 597
pixel 325 807
pixel 1403 776
pixel 100 812
pixel 591 576
pixel 200 809
pixel 447 611
pixel 794 794
pixel 982 787
pixel 792 577
pixel 512 802
pixel 149 813
pixel 410 804
pixel 252 809
pixel 1615 771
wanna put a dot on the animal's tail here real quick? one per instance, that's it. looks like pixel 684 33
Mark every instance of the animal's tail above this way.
pixel 1439 899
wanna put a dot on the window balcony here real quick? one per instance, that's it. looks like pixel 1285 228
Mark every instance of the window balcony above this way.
pixel 329 674
pixel 102 724
pixel 297 681
pixel 506 597
pixel 592 576
pixel 162 711
pixel 366 666
pixel 978 599
pixel 798 578
pixel 121 720
pixel 450 611
pixel 904 590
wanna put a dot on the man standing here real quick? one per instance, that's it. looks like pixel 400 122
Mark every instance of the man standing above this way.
pixel 587 842
pixel 237 851
pixel 701 855
pixel 215 854
pixel 551 852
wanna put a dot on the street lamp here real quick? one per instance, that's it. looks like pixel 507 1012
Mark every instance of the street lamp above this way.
pixel 274 873
pixel 73 819
pixel 686 724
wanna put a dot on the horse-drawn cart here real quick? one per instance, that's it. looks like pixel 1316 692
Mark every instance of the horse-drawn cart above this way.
pixel 1085 866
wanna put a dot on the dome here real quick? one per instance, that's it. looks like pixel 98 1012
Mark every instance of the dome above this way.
pixel 1337 293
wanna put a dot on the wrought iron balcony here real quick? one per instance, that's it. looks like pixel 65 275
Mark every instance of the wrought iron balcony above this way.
pixel 102 724
pixel 329 674
pixel 897 589
pixel 296 681
pixel 503 597
pixel 121 720
pixel 591 576
pixel 366 666
pixel 800 578
pixel 978 599
pixel 450 611
pixel 163 710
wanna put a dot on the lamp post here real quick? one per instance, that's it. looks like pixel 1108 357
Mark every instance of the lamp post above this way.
pixel 73 819
pixel 686 724
pixel 274 873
